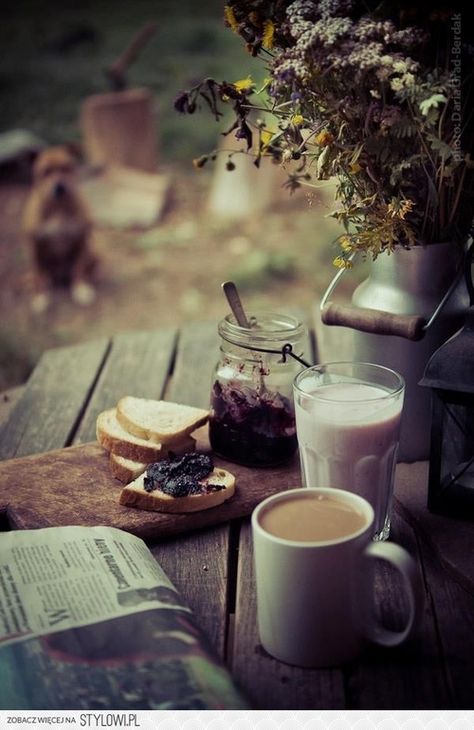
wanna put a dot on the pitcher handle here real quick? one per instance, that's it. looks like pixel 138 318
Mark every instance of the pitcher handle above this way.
pixel 374 320
pixel 379 322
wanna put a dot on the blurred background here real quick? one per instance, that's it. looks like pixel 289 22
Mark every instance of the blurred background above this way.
pixel 166 236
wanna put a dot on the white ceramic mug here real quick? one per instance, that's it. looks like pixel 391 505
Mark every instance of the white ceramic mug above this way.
pixel 315 600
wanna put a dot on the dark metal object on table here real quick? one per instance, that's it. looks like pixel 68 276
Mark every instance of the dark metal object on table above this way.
pixel 450 375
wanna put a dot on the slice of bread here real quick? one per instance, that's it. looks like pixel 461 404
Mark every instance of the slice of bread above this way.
pixel 159 421
pixel 125 470
pixel 134 495
pixel 112 437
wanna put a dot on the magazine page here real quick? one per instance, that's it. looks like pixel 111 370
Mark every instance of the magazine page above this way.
pixel 88 619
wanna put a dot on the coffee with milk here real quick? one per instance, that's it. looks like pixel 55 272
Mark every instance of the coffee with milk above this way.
pixel 312 518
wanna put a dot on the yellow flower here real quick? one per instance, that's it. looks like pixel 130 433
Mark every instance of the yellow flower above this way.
pixel 230 18
pixel 268 35
pixel 354 167
pixel 324 138
pixel 244 84
pixel 266 137
pixel 345 243
pixel 342 263
pixel 297 120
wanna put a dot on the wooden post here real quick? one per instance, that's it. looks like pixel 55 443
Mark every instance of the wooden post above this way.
pixel 119 128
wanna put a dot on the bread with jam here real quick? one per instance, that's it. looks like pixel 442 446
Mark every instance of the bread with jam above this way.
pixel 187 484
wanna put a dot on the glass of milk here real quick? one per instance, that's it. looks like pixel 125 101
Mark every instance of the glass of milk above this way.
pixel 347 422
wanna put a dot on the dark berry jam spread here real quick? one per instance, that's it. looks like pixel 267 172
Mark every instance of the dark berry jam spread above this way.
pixel 250 426
pixel 180 477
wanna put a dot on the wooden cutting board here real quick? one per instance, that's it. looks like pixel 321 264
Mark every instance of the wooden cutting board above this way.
pixel 73 486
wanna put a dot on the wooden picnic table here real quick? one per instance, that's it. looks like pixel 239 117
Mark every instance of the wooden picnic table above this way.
pixel 212 567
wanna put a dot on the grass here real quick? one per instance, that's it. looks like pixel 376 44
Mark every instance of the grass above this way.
pixel 45 75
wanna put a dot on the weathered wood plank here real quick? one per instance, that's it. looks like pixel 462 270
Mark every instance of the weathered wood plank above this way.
pixel 53 399
pixel 138 364
pixel 197 565
pixel 8 400
pixel 269 683
pixel 185 560
pixel 407 677
pixel 448 536
pixel 198 350
pixel 453 608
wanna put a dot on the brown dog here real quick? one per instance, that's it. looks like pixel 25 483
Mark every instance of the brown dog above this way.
pixel 57 226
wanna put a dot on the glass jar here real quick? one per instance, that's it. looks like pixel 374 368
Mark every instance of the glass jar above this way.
pixel 252 416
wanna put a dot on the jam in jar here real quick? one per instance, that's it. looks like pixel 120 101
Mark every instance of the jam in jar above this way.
pixel 252 417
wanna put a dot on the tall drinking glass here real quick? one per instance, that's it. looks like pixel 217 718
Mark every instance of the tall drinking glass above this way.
pixel 347 423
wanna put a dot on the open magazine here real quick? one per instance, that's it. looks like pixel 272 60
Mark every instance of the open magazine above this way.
pixel 89 620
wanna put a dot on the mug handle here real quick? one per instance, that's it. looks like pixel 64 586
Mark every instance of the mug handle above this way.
pixel 406 566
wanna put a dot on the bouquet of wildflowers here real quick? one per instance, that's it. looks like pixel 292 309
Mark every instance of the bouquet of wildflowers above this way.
pixel 377 97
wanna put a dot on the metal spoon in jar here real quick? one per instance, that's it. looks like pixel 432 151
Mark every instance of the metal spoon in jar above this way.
pixel 230 290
